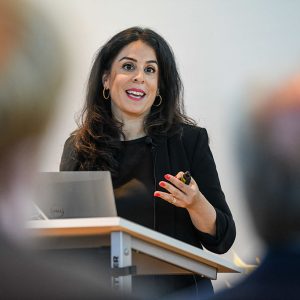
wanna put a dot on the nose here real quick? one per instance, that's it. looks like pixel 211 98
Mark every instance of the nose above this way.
pixel 139 76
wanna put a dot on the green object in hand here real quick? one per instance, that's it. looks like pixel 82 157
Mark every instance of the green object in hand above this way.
pixel 186 178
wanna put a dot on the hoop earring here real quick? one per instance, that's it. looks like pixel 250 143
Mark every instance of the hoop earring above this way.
pixel 103 93
pixel 160 100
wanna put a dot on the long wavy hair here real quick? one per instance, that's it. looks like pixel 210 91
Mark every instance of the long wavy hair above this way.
pixel 97 140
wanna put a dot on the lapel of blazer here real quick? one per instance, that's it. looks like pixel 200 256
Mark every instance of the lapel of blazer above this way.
pixel 164 211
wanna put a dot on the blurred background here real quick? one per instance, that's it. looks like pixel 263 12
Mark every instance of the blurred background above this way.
pixel 226 52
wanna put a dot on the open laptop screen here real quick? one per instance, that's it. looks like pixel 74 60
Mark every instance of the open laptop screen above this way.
pixel 79 194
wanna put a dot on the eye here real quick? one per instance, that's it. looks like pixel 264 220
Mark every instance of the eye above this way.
pixel 150 69
pixel 128 67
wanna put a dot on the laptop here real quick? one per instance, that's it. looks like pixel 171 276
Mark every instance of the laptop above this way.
pixel 78 194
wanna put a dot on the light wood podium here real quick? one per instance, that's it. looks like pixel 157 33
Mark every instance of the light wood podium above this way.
pixel 134 248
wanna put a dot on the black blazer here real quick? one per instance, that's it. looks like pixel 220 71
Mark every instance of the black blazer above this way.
pixel 187 149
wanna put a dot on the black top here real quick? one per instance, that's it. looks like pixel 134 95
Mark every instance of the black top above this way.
pixel 134 186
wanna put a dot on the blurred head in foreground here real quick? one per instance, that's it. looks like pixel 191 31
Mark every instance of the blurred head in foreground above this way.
pixel 31 70
pixel 270 163
pixel 30 75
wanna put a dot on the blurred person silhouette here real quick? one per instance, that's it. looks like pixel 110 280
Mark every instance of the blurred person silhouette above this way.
pixel 269 159
pixel 31 72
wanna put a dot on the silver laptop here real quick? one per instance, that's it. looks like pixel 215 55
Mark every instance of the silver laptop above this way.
pixel 78 194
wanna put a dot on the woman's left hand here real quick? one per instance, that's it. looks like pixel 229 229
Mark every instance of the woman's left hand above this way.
pixel 180 194
pixel 202 213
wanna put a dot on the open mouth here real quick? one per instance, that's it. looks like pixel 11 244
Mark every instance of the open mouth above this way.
pixel 135 94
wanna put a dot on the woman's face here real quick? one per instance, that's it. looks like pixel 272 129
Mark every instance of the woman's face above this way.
pixel 133 81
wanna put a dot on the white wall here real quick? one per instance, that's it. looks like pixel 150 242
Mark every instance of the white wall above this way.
pixel 221 46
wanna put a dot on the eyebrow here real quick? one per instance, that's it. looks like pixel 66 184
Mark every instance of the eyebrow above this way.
pixel 132 59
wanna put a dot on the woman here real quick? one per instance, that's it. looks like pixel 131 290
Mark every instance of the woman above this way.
pixel 133 124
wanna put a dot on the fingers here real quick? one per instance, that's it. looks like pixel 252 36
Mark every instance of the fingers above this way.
pixel 179 175
pixel 169 198
pixel 176 183
pixel 172 190
pixel 179 193
pixel 176 188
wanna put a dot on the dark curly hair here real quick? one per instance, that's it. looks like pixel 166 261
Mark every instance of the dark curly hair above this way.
pixel 97 140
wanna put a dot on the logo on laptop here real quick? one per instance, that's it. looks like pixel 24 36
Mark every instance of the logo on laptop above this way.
pixel 57 212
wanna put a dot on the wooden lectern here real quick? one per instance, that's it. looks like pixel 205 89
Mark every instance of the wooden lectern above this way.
pixel 134 248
